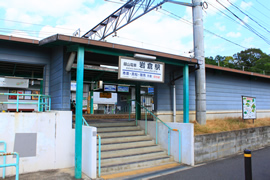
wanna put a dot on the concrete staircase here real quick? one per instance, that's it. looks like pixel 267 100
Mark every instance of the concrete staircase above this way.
pixel 125 147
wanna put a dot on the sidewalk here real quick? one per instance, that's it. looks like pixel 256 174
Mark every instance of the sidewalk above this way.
pixel 59 174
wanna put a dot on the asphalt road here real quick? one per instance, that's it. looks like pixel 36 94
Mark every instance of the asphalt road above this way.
pixel 227 169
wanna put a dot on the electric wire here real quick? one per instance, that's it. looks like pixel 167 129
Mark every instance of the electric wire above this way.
pixel 263 5
pixel 208 31
pixel 21 22
pixel 251 28
pixel 248 16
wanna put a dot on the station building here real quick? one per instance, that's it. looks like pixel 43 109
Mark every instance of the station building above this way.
pixel 66 68
pixel 42 64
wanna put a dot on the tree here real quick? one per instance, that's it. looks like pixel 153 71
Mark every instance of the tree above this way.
pixel 210 60
pixel 247 59
pixel 252 59
pixel 262 65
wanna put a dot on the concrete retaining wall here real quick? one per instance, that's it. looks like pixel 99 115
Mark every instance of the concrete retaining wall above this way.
pixel 214 146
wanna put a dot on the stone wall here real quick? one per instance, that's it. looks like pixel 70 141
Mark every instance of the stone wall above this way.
pixel 214 146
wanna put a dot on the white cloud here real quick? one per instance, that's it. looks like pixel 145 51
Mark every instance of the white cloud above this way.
pixel 233 34
pixel 220 27
pixel 22 34
pixel 246 5
pixel 248 42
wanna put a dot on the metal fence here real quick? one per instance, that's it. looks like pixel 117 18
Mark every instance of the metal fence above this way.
pixel 43 101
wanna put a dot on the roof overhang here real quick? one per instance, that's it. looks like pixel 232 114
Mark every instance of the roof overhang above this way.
pixel 64 40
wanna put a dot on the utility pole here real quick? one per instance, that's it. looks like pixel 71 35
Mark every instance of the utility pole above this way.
pixel 198 42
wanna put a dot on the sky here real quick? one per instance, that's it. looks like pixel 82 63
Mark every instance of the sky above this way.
pixel 165 29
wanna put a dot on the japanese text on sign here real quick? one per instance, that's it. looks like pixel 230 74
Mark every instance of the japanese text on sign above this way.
pixel 140 70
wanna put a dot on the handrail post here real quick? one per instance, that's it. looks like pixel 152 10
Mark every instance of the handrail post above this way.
pixel 179 146
pixel 4 160
pixel 38 103
pixel 129 109
pixel 49 103
pixel 169 142
pixel 156 131
pixel 136 115
pixel 17 105
pixel 145 123
pixel 99 143
pixel 46 103
pixel 13 164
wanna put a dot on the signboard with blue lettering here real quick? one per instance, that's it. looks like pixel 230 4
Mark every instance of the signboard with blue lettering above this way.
pixel 151 90
pixel 110 88
pixel 122 89
pixel 139 70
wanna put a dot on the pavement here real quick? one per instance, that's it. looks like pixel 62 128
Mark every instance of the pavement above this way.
pixel 231 168
pixel 59 174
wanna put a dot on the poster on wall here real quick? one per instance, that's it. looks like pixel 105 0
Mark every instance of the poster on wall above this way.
pixel 35 97
pixel 20 92
pixel 12 96
pixel 27 92
pixel 248 107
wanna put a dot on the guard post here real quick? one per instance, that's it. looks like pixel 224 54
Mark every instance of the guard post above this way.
pixel 248 168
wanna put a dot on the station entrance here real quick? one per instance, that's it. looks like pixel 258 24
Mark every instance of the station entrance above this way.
pixel 104 95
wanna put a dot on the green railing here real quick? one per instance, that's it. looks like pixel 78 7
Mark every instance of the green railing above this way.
pixel 12 164
pixel 157 119
pixel 4 160
pixel 43 101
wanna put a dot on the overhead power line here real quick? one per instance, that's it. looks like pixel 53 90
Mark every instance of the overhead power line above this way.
pixel 248 16
pixel 208 31
pixel 21 22
pixel 263 5
pixel 250 28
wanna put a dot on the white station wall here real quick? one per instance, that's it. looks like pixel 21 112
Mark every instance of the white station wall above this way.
pixel 55 139
pixel 186 139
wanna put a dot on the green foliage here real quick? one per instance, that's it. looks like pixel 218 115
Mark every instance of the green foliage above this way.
pixel 252 59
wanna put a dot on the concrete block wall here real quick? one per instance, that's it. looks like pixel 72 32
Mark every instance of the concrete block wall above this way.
pixel 214 146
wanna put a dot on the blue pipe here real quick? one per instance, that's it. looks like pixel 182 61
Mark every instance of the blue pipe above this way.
pixel 13 164
pixel 99 154
pixel 4 161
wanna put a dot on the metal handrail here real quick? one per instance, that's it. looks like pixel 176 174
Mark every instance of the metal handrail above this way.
pixel 13 164
pixel 99 146
pixel 4 161
pixel 169 129
pixel 99 154
pixel 41 103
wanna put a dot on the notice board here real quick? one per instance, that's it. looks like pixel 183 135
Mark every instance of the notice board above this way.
pixel 248 107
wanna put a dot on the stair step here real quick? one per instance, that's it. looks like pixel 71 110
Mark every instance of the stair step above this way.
pixel 127 145
pixel 135 165
pixel 109 140
pixel 113 129
pixel 115 124
pixel 133 158
pixel 124 133
pixel 130 151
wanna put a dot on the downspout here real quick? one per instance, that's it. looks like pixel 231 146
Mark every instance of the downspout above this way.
pixel 174 103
